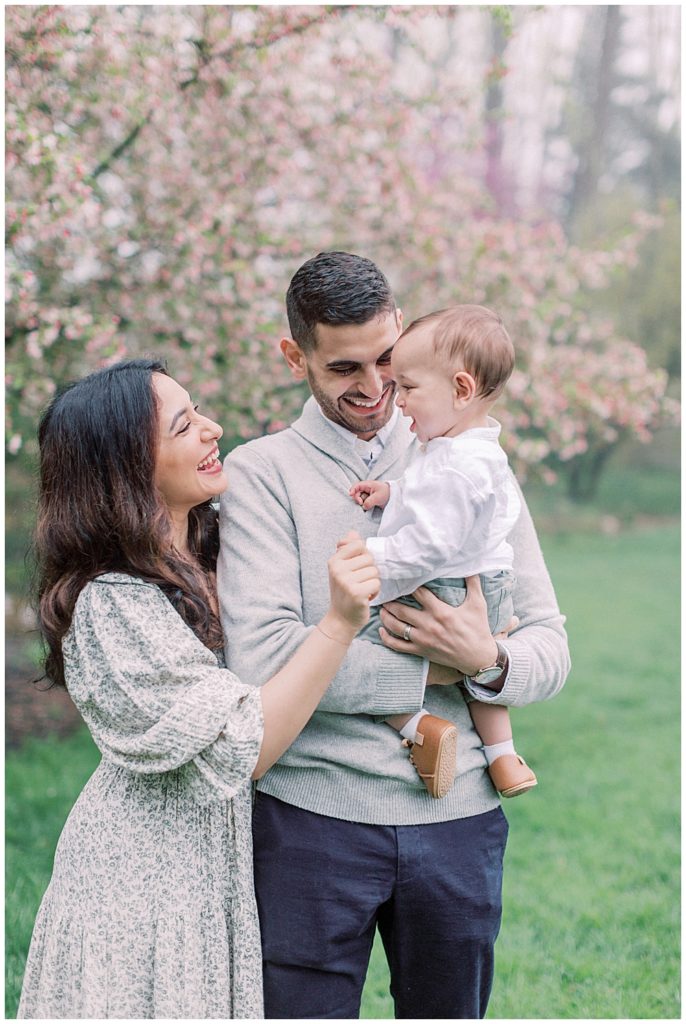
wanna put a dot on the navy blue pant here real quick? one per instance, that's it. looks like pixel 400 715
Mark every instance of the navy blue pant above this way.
pixel 324 885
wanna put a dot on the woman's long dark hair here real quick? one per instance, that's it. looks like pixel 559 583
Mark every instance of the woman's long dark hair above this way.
pixel 100 511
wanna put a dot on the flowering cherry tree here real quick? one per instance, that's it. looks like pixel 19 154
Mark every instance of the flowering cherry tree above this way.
pixel 168 168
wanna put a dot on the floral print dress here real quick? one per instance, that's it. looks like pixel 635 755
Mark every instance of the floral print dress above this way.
pixel 150 912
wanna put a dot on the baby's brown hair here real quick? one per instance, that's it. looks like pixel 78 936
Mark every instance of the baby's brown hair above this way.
pixel 474 337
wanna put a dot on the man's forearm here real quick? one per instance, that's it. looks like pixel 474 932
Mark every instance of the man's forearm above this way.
pixel 537 668
pixel 538 654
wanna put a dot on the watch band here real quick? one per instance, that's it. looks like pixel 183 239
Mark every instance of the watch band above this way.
pixel 487 676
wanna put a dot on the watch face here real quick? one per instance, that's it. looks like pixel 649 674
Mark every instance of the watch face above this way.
pixel 488 675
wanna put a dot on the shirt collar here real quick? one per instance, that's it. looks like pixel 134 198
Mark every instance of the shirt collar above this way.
pixel 381 435
pixel 491 432
pixel 368 451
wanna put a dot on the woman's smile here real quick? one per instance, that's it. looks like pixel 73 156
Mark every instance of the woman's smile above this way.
pixel 211 463
pixel 188 470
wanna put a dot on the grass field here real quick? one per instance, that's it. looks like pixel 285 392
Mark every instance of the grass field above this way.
pixel 591 902
pixel 591 915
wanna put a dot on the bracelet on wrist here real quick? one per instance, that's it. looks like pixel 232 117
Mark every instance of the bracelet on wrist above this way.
pixel 343 643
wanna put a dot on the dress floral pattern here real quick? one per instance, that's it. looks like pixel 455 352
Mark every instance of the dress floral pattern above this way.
pixel 150 912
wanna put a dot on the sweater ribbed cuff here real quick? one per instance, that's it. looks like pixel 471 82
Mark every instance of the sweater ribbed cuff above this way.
pixel 515 684
pixel 400 683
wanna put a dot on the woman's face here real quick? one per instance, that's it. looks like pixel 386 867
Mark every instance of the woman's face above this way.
pixel 188 470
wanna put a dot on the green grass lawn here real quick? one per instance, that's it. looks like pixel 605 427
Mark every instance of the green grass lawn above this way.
pixel 591 916
pixel 591 901
pixel 627 494
pixel 42 780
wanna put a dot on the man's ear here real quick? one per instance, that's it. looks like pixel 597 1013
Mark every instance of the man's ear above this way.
pixel 295 358
pixel 464 386
pixel 399 320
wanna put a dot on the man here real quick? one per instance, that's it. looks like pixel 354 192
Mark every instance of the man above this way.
pixel 347 838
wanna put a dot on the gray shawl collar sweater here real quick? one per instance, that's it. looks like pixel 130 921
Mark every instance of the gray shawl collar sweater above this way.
pixel 286 506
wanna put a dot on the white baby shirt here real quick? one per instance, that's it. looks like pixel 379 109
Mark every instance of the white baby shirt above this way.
pixel 448 515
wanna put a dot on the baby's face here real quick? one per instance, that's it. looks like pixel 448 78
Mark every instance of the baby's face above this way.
pixel 424 387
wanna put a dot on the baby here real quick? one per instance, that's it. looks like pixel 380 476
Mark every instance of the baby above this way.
pixel 449 515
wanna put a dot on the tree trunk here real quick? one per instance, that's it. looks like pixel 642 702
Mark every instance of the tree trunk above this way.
pixel 584 472
pixel 592 148
pixel 496 180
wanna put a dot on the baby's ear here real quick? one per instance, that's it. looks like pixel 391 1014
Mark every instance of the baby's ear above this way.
pixel 464 386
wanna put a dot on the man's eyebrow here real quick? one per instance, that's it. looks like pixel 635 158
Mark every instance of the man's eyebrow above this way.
pixel 337 363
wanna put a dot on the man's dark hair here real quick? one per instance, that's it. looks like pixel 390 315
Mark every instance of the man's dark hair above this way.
pixel 335 288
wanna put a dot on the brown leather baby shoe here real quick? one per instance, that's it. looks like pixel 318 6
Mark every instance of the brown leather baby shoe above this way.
pixel 511 775
pixel 434 754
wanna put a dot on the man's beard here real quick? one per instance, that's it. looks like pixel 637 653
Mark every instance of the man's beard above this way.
pixel 345 417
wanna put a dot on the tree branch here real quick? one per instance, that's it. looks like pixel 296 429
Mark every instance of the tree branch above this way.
pixel 254 44
pixel 122 147
pixel 205 58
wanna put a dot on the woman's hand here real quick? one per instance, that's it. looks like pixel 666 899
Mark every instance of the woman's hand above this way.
pixel 459 637
pixel 353 582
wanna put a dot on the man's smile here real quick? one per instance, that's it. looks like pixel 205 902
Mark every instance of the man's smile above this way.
pixel 369 406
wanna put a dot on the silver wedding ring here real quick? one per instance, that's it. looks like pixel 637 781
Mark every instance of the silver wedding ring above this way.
pixel 408 630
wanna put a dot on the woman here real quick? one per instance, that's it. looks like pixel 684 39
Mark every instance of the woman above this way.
pixel 150 910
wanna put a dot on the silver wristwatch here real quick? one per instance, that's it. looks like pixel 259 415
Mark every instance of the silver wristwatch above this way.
pixel 486 676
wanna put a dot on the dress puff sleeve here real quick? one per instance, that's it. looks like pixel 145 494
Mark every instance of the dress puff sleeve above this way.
pixel 153 696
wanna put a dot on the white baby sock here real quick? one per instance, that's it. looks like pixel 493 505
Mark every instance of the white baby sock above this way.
pixel 498 749
pixel 409 730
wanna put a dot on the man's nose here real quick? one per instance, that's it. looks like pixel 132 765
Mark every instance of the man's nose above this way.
pixel 371 382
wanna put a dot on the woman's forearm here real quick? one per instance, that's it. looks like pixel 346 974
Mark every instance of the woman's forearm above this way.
pixel 290 697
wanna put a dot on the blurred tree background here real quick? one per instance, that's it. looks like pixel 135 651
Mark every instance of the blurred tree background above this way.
pixel 169 167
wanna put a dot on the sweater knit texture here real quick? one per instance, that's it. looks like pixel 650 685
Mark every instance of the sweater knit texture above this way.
pixel 286 506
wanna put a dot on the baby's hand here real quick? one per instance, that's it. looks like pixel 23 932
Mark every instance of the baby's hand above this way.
pixel 371 493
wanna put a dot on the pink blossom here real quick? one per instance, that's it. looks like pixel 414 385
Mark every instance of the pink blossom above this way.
pixel 279 143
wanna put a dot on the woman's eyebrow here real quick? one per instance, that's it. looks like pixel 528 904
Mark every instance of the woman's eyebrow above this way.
pixel 175 417
pixel 178 414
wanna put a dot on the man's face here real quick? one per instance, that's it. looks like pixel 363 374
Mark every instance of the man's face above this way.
pixel 349 372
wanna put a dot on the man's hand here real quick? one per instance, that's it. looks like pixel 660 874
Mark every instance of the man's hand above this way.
pixel 457 637
pixel 371 493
